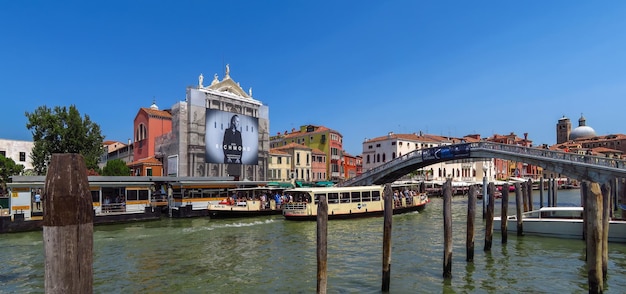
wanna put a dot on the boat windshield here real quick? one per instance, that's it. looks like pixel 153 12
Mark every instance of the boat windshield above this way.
pixel 555 214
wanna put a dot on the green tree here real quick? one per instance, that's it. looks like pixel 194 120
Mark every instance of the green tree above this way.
pixel 116 167
pixel 8 168
pixel 63 130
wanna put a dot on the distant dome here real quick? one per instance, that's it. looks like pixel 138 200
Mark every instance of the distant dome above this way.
pixel 582 132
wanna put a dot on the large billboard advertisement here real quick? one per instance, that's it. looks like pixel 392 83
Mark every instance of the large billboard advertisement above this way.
pixel 231 138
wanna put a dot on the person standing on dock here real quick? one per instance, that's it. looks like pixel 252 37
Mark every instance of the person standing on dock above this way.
pixel 38 199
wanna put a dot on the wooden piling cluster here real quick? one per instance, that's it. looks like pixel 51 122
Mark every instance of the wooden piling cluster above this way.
pixel 596 199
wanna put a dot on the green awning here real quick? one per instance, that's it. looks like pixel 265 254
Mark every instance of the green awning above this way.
pixel 325 184
pixel 280 184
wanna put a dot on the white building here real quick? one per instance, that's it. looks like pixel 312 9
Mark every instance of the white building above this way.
pixel 19 151
pixel 380 150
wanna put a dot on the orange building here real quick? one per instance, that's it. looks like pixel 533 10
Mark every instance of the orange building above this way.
pixel 505 169
pixel 149 124
pixel 350 165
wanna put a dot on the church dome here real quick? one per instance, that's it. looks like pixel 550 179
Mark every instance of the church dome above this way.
pixel 582 131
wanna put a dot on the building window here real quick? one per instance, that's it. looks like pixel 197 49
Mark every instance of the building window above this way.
pixel 149 171
pixel 3 153
pixel 280 160
pixel 22 156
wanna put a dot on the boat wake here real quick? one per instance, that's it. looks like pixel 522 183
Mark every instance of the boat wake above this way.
pixel 219 226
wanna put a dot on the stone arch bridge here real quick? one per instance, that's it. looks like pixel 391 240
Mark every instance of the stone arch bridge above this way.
pixel 582 167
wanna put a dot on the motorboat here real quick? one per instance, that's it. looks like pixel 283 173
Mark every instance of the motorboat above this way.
pixel 559 222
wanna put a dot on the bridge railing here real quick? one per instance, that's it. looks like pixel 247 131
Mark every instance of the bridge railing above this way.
pixel 546 153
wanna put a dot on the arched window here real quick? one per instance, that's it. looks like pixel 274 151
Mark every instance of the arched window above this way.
pixel 368 158
pixel 378 157
pixel 384 159
pixel 393 155
pixel 141 132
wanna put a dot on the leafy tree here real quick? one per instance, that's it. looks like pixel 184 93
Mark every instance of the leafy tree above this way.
pixel 63 130
pixel 8 168
pixel 116 167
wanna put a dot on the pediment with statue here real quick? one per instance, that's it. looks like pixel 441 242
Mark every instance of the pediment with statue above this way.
pixel 225 85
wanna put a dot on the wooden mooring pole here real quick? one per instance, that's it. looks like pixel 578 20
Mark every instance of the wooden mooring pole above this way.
pixel 322 244
pixel 593 206
pixel 471 217
pixel 541 192
pixel 549 190
pixel 518 208
pixel 606 215
pixel 622 195
pixel 388 194
pixel 524 196
pixel 504 223
pixel 555 188
pixel 447 228
pixel 529 188
pixel 489 222
pixel 68 226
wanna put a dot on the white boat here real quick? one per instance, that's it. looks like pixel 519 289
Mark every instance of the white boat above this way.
pixel 349 202
pixel 559 222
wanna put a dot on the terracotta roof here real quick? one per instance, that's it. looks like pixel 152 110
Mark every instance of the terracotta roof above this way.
pixel 411 137
pixel 154 112
pixel 605 150
pixel 604 138
pixel 297 132
pixel 317 151
pixel 146 161
pixel 294 146
pixel 276 151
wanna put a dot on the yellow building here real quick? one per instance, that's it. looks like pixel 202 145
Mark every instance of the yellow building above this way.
pixel 279 166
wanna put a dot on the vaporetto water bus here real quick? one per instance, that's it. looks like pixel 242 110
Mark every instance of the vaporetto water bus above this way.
pixel 350 202
pixel 120 198
pixel 248 202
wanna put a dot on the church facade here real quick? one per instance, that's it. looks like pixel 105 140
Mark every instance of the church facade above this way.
pixel 220 130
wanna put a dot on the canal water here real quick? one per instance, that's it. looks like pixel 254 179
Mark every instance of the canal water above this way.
pixel 270 255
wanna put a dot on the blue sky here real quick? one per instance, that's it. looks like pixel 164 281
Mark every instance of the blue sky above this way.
pixel 362 68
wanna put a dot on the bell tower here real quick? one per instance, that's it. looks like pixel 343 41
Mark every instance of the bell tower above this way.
pixel 563 129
